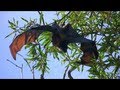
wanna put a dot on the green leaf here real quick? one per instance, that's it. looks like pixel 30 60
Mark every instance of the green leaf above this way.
pixel 17 23
pixel 10 34
pixel 11 23
pixel 24 19
pixel 82 68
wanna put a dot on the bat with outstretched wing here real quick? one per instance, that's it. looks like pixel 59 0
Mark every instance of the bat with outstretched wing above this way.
pixel 31 35
pixel 61 37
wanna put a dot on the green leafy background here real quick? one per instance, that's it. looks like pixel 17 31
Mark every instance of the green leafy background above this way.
pixel 100 26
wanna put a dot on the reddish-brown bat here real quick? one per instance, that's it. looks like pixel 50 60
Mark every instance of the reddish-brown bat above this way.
pixel 61 37
pixel 89 52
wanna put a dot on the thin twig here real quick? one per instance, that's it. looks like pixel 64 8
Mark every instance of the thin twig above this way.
pixel 25 61
pixel 63 17
pixel 22 71
pixel 65 72
pixel 40 13
pixel 31 69
pixel 44 67
pixel 69 73
pixel 43 71
pixel 33 73
pixel 21 68
pixel 14 64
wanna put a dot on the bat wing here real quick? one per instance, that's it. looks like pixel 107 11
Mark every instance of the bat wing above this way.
pixel 22 39
pixel 28 37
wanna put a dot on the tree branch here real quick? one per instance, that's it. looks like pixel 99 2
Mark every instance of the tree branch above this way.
pixel 41 14
pixel 21 68
pixel 65 72
pixel 14 64
pixel 31 68
pixel 44 67
pixel 63 17
pixel 69 73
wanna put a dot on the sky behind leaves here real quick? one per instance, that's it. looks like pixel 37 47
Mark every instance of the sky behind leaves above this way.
pixel 8 70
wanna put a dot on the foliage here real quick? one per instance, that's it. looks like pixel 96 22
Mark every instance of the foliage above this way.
pixel 100 26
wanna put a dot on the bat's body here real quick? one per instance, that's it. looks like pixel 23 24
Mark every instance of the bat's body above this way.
pixel 61 37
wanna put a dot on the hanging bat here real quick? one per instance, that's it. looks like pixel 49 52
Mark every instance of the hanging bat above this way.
pixel 32 34
pixel 89 52
pixel 61 37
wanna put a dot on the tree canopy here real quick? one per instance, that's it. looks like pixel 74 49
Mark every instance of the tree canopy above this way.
pixel 103 27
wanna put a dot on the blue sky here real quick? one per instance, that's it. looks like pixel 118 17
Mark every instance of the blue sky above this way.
pixel 8 70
